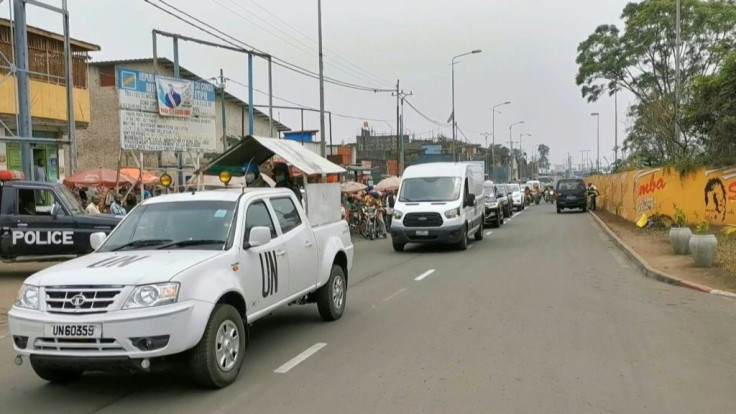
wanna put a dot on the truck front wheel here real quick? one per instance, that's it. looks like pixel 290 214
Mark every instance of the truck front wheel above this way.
pixel 331 297
pixel 55 375
pixel 216 360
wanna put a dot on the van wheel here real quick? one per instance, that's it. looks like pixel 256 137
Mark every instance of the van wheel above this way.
pixel 463 243
pixel 398 247
pixel 559 211
pixel 331 297
pixel 216 360
pixel 500 219
pixel 478 236
pixel 55 375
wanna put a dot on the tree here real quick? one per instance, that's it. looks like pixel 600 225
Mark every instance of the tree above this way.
pixel 641 59
pixel 712 113
pixel 543 161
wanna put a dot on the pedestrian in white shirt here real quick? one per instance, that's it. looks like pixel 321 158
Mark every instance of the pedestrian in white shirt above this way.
pixel 92 206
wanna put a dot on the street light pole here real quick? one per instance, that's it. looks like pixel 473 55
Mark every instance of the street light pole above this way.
pixel 598 140
pixel 493 148
pixel 454 123
pixel 521 147
pixel 322 149
pixel 511 150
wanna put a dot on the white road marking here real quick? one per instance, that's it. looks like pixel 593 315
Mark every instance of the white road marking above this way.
pixel 488 233
pixel 393 295
pixel 423 275
pixel 3 336
pixel 471 246
pixel 300 358
pixel 603 237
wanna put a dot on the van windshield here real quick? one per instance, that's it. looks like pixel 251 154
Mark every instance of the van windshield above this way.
pixel 430 189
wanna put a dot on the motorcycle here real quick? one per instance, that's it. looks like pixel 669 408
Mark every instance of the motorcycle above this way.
pixel 550 196
pixel 537 198
pixel 370 230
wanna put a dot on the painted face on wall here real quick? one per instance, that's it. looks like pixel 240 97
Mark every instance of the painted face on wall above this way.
pixel 715 199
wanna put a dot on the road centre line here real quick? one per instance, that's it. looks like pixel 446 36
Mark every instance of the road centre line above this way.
pixel 471 246
pixel 488 233
pixel 423 275
pixel 300 358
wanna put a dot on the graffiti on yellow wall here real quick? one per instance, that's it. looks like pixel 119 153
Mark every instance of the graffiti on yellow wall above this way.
pixel 709 193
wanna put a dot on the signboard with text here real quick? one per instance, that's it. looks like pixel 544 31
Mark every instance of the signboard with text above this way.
pixel 159 113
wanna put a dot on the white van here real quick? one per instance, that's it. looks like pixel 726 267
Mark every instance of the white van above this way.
pixel 439 203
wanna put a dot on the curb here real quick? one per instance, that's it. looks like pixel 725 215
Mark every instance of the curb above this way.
pixel 649 271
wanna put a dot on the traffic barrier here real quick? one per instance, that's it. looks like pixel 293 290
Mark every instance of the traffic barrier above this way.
pixel 706 194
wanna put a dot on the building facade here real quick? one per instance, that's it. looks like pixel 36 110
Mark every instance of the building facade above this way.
pixel 47 98
pixel 99 144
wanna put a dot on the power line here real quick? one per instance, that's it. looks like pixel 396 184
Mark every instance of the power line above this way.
pixel 425 116
pixel 356 70
pixel 277 61
pixel 302 106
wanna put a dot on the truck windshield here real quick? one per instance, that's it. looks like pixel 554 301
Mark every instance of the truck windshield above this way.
pixel 70 200
pixel 194 225
pixel 430 189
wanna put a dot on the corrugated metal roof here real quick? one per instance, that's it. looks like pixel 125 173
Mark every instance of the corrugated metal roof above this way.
pixel 257 150
pixel 187 74
pixel 77 45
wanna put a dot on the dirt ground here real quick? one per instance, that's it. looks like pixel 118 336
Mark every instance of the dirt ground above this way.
pixel 654 246
pixel 11 277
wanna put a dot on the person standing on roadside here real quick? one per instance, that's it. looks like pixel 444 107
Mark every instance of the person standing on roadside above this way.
pixel 592 195
pixel 92 206
pixel 390 202
pixel 116 207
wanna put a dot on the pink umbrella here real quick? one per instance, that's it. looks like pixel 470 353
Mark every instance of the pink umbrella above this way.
pixel 390 183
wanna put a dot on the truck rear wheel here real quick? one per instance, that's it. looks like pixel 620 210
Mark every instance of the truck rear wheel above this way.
pixel 331 297
pixel 55 375
pixel 398 247
pixel 216 360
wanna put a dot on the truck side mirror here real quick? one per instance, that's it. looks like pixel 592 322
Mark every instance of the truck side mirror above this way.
pixel 96 239
pixel 55 210
pixel 258 237
pixel 470 200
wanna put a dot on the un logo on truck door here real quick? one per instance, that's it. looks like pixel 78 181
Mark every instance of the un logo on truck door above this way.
pixel 269 273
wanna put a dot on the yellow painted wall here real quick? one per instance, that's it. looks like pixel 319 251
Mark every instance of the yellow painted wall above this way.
pixel 47 100
pixel 709 193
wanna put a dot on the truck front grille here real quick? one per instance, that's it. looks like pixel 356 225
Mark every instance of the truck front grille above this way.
pixel 423 220
pixel 76 299
pixel 73 344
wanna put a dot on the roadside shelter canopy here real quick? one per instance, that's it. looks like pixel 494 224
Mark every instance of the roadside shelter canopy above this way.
pixel 257 150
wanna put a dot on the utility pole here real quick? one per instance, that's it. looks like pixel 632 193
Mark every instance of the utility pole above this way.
pixel 615 129
pixel 597 115
pixel 511 150
pixel 223 112
pixel 398 128
pixel 487 169
pixel 582 160
pixel 401 131
pixel 25 128
pixel 322 149
pixel 493 148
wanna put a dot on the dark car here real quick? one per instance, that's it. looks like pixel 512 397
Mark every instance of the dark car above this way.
pixel 571 193
pixel 493 214
pixel 504 199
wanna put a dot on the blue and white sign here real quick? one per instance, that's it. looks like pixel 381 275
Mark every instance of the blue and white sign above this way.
pixel 160 113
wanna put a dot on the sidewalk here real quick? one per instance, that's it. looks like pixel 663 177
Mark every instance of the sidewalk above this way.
pixel 654 252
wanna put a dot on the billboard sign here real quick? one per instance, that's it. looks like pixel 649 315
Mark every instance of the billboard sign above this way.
pixel 159 113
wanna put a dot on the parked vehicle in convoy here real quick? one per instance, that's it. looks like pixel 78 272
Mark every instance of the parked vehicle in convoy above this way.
pixel 44 221
pixel 571 193
pixel 439 203
pixel 156 288
pixel 517 197
pixel 503 199
pixel 492 214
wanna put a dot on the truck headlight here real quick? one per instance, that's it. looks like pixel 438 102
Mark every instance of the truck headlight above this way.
pixel 28 297
pixel 398 215
pixel 146 296
pixel 454 213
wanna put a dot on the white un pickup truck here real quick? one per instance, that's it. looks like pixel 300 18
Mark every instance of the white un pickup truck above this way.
pixel 182 275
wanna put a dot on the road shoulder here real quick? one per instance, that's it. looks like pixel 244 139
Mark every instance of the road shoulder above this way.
pixel 657 261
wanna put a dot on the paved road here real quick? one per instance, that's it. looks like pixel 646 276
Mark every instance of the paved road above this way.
pixel 542 316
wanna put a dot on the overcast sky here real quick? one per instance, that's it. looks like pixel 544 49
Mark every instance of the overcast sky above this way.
pixel 529 50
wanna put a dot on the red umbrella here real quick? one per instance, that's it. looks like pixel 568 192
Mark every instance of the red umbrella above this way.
pixel 95 177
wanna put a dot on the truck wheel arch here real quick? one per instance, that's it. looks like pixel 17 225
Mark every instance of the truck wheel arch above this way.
pixel 236 300
pixel 341 259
